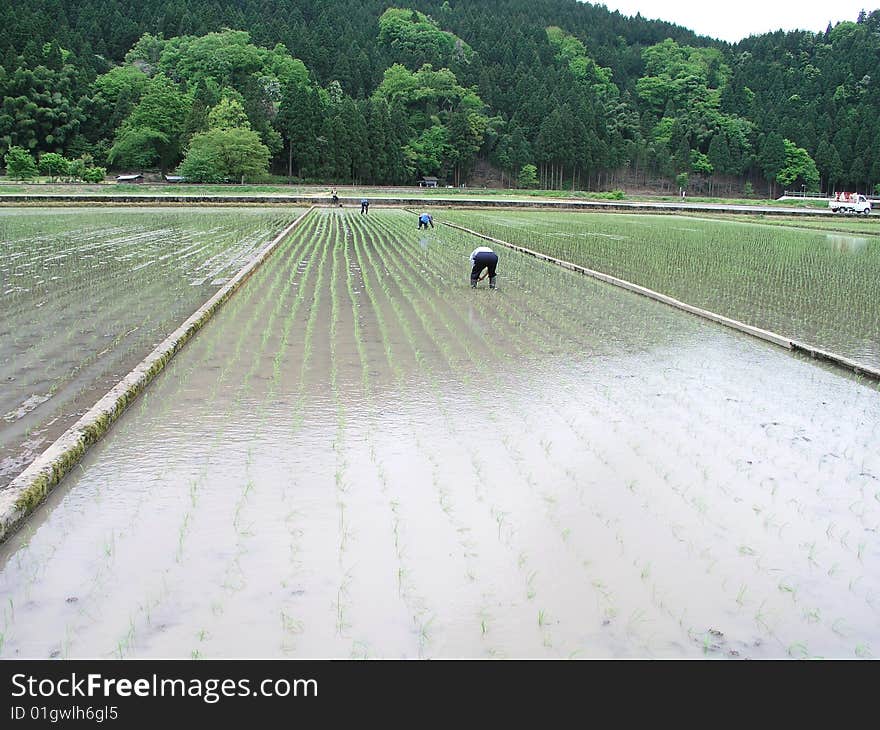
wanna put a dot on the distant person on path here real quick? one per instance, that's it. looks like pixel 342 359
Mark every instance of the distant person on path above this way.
pixel 482 258
pixel 425 220
pixel 335 197
pixel 365 206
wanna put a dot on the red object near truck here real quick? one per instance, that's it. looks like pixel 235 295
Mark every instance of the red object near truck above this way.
pixel 850 203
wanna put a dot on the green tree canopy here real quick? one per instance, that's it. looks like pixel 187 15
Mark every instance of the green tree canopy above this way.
pixel 20 164
pixel 427 152
pixel 571 51
pixel 39 107
pixel 798 167
pixel 152 133
pixel 415 39
pixel 223 155
pixel 445 122
pixel 53 165
pixel 119 81
pixel 772 156
pixel 528 177
pixel 635 99
pixel 228 114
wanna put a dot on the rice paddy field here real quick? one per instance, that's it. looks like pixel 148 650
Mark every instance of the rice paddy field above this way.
pixel 360 456
pixel 812 281
pixel 85 294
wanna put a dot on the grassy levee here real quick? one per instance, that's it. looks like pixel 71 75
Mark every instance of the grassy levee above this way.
pixel 32 486
pixel 355 192
pixel 394 200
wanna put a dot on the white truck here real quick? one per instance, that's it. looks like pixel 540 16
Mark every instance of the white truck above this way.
pixel 850 203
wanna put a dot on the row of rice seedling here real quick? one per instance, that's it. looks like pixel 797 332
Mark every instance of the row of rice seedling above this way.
pixel 494 518
pixel 404 353
pixel 231 587
pixel 466 515
pixel 494 514
pixel 500 517
pixel 103 287
pixel 235 504
pixel 853 226
pixel 804 284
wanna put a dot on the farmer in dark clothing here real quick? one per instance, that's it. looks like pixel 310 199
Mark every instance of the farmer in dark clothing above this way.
pixel 482 258
pixel 425 220
pixel 365 206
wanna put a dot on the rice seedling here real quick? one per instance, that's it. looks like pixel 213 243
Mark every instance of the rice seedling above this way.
pixel 635 621
pixel 497 514
pixel 424 634
pixel 839 627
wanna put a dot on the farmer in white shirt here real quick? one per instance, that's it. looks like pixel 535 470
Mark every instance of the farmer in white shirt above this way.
pixel 483 257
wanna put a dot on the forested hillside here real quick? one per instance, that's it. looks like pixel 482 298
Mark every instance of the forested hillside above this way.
pixel 550 92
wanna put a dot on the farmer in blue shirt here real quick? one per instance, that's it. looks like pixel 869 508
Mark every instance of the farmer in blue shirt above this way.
pixel 365 206
pixel 425 220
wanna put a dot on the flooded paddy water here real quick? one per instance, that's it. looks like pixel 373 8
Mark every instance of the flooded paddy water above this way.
pixel 361 456
pixel 86 293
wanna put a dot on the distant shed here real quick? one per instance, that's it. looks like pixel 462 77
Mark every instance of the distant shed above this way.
pixel 130 178
pixel 174 178
pixel 428 182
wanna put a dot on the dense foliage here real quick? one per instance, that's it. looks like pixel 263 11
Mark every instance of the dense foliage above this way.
pixel 363 92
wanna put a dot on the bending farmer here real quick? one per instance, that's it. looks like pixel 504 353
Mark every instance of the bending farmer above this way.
pixel 483 257
pixel 365 206
pixel 425 220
